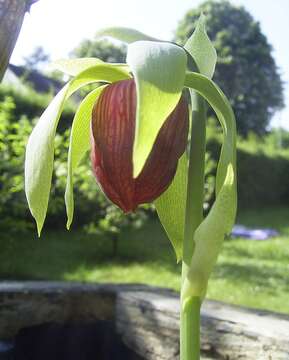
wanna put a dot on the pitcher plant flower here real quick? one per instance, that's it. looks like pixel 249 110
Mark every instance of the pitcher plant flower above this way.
pixel 136 125
pixel 112 137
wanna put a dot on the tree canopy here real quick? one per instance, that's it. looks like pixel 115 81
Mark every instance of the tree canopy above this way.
pixel 36 59
pixel 102 49
pixel 246 70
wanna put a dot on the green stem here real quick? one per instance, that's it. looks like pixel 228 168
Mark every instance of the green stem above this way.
pixel 190 307
pixel 190 328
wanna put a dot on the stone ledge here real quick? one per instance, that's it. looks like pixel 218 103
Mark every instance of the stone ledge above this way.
pixel 147 318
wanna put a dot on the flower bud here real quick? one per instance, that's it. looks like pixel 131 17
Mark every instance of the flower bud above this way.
pixel 112 140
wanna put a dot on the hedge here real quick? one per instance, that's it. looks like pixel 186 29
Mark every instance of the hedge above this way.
pixel 263 173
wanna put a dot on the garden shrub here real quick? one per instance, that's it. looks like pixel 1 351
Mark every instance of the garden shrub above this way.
pixel 263 171
pixel 31 104
pixel 93 210
pixel 13 135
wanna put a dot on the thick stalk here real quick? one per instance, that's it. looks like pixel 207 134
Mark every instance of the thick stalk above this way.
pixel 190 308
pixel 190 330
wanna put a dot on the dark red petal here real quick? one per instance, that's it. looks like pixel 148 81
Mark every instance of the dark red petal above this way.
pixel 112 136
pixel 113 125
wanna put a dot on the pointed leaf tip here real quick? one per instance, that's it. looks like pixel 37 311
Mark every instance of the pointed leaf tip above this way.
pixel 39 228
pixel 201 24
pixel 200 47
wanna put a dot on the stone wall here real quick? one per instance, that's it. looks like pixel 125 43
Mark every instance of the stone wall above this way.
pixel 146 318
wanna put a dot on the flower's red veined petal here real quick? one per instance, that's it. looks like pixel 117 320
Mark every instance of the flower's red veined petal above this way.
pixel 112 137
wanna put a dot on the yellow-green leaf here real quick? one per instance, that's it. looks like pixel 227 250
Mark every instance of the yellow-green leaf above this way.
pixel 171 207
pixel 40 148
pixel 74 66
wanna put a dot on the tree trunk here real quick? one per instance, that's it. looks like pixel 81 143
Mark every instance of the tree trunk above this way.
pixel 11 17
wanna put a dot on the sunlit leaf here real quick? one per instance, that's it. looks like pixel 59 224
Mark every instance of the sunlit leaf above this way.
pixel 210 234
pixel 79 145
pixel 74 66
pixel 124 34
pixel 171 207
pixel 159 71
pixel 40 147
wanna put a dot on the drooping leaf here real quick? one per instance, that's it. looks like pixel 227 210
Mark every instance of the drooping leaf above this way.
pixel 124 34
pixel 210 234
pixel 171 205
pixel 100 72
pixel 202 50
pixel 79 145
pixel 39 159
pixel 159 71
pixel 40 147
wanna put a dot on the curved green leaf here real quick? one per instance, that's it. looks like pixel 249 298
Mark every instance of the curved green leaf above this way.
pixel 210 234
pixel 159 72
pixel 79 145
pixel 40 146
pixel 124 34
pixel 171 205
pixel 101 72
pixel 74 67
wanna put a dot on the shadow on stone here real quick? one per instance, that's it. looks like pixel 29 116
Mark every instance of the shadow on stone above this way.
pixel 71 342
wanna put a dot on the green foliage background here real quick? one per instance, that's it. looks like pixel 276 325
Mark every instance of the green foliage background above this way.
pixel 263 167
pixel 101 49
pixel 93 210
pixel 246 70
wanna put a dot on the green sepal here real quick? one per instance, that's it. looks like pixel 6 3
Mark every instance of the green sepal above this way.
pixel 74 67
pixel 159 72
pixel 79 145
pixel 171 207
pixel 124 34
pixel 40 147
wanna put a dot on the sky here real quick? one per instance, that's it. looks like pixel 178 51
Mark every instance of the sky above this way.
pixel 59 26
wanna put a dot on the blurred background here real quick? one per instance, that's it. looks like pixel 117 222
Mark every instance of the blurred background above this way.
pixel 251 39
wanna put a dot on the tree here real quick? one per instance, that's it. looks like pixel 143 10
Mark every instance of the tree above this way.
pixel 11 17
pixel 246 69
pixel 36 59
pixel 102 49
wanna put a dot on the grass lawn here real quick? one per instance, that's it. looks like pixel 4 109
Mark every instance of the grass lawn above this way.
pixel 251 273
